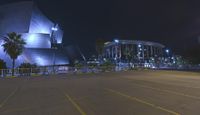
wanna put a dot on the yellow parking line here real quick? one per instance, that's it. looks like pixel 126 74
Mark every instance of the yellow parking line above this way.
pixel 168 91
pixel 75 105
pixel 142 101
pixel 9 96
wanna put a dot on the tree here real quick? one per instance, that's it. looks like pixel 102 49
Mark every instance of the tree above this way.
pixel 13 45
pixel 28 68
pixel 2 64
pixel 2 67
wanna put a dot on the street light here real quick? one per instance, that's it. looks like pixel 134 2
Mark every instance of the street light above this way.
pixel 116 55
pixel 116 41
pixel 54 29
pixel 53 45
pixel 167 51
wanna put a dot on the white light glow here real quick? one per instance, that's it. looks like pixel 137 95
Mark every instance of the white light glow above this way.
pixel 40 61
pixel 167 51
pixel 116 41
pixel 54 29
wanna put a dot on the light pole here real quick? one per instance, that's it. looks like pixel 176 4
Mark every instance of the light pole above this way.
pixel 53 45
pixel 167 51
pixel 116 49
pixel 82 56
pixel 167 56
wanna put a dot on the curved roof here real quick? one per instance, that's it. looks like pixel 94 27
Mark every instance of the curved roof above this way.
pixel 134 42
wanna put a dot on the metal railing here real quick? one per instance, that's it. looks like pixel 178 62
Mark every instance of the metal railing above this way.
pixel 50 70
pixel 20 72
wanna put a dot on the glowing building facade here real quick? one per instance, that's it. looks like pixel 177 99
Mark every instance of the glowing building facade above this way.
pixel 133 51
pixel 38 32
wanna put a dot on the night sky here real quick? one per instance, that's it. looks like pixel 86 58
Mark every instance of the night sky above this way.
pixel 175 24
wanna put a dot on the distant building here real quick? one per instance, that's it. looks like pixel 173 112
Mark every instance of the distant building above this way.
pixel 133 51
pixel 40 34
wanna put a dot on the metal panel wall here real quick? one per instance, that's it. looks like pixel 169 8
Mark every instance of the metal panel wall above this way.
pixel 40 23
pixel 37 40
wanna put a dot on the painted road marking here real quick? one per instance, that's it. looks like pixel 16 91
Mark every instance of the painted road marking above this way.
pixel 75 105
pixel 9 96
pixel 168 91
pixel 142 101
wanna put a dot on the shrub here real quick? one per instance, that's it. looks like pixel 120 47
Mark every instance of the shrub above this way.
pixel 78 65
pixel 27 68
pixel 3 66
pixel 107 66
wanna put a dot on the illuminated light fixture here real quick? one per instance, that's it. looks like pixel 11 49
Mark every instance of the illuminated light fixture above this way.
pixel 54 29
pixel 106 43
pixel 116 41
pixel 167 51
pixel 139 45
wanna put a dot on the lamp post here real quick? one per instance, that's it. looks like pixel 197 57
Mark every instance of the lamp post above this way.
pixel 167 51
pixel 83 57
pixel 167 56
pixel 116 59
pixel 53 45
pixel 116 49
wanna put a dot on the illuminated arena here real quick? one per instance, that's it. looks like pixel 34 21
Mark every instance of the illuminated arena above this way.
pixel 40 34
pixel 133 51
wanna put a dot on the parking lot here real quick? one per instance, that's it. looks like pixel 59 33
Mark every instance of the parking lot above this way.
pixel 144 92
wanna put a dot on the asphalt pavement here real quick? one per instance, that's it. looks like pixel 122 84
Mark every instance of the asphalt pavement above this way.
pixel 144 92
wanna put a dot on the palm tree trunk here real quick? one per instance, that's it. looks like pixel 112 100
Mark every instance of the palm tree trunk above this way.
pixel 13 67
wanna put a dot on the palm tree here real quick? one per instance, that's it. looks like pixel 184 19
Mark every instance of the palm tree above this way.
pixel 13 45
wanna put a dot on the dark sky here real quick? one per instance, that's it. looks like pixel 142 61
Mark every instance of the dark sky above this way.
pixel 173 23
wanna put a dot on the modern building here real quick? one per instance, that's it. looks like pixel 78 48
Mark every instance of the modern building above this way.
pixel 40 34
pixel 133 51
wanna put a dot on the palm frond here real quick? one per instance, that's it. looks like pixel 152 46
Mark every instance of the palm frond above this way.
pixel 13 45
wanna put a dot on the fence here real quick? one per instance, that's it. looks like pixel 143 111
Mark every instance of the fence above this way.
pixel 18 72
pixel 49 70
